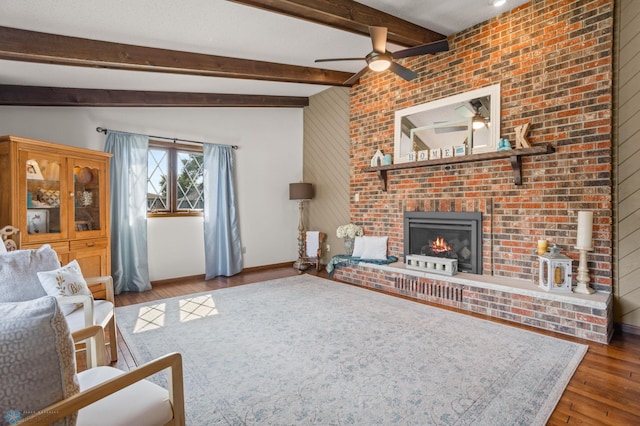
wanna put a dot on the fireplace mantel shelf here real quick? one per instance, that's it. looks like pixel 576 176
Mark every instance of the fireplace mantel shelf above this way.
pixel 514 155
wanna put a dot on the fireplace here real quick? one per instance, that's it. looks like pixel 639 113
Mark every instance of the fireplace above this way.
pixel 449 235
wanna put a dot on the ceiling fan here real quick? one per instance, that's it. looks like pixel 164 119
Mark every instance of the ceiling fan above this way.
pixel 380 59
pixel 479 112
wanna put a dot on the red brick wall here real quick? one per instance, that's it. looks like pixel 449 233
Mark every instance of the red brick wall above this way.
pixel 553 59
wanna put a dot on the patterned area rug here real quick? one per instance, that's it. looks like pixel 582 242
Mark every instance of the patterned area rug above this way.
pixel 309 351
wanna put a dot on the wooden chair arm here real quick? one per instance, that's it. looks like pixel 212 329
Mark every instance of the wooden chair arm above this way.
pixel 87 305
pixel 172 361
pixel 96 333
pixel 101 287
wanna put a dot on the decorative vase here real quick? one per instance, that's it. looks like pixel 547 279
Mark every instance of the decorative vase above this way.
pixel 87 198
pixel 348 245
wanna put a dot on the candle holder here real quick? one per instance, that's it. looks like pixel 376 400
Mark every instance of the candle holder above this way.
pixel 583 273
pixel 555 271
pixel 584 244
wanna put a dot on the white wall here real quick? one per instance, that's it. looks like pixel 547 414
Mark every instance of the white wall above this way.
pixel 269 158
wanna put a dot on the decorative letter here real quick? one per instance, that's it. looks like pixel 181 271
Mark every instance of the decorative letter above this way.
pixel 521 136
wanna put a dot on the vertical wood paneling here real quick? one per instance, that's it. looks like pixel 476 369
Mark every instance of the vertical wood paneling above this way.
pixel 627 161
pixel 326 163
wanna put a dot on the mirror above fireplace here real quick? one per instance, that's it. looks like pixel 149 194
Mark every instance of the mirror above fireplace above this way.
pixel 470 119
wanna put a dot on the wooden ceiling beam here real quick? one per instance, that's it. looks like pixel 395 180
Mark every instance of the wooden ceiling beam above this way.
pixel 350 16
pixel 59 96
pixel 32 46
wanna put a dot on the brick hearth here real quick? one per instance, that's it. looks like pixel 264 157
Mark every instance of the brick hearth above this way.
pixel 587 317
pixel 553 61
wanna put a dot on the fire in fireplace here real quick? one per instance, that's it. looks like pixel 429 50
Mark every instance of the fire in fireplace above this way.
pixel 454 249
pixel 450 235
pixel 439 246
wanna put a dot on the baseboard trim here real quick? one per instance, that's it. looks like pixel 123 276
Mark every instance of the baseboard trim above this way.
pixel 178 279
pixel 201 277
pixel 272 266
pixel 627 328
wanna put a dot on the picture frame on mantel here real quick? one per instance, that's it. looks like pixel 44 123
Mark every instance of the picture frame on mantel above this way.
pixel 459 151
pixel 449 122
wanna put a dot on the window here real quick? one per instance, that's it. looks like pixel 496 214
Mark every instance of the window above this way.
pixel 175 179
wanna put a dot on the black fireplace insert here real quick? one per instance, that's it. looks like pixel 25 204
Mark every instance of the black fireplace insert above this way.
pixel 451 235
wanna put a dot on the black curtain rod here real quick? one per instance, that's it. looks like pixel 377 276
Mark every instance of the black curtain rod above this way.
pixel 103 130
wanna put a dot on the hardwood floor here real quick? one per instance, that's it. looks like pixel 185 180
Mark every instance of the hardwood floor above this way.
pixel 604 390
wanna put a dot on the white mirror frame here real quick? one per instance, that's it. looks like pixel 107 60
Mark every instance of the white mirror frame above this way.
pixel 400 156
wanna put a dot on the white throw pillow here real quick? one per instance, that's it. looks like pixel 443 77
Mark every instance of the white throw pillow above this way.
pixel 63 282
pixel 358 247
pixel 371 247
pixel 3 248
pixel 18 273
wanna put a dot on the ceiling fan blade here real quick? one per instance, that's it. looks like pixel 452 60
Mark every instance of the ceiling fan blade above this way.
pixel 378 39
pixel 425 49
pixel 403 72
pixel 442 130
pixel 464 111
pixel 340 59
pixel 354 78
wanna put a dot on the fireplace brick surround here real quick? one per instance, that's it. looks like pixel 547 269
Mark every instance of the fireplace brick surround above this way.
pixel 553 60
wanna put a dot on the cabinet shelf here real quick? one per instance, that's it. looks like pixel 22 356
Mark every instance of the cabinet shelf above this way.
pixel 514 156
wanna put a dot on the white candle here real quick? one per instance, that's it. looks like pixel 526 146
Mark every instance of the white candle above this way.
pixel 585 230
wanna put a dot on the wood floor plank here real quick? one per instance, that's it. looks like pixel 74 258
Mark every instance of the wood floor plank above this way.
pixel 605 390
pixel 598 391
pixel 610 377
pixel 623 369
pixel 581 409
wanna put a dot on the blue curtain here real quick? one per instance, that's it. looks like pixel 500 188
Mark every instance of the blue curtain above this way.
pixel 222 245
pixel 129 256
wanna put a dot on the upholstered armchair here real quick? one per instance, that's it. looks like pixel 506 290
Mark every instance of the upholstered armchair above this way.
pixel 23 272
pixel 41 385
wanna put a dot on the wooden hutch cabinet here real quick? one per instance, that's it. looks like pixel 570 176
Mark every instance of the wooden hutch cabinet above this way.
pixel 58 195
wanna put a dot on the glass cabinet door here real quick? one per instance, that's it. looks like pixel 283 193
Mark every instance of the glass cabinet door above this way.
pixel 87 181
pixel 44 194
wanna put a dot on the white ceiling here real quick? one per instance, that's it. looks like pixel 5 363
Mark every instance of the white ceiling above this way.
pixel 215 27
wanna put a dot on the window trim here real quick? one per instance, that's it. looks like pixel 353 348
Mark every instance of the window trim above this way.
pixel 173 148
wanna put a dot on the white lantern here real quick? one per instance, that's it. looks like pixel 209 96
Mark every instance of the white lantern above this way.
pixel 555 271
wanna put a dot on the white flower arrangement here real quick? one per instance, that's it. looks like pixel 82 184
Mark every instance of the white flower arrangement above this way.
pixel 350 231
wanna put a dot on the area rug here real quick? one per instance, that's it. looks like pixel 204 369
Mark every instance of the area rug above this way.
pixel 309 351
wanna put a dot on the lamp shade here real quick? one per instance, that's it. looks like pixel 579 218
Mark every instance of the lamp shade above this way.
pixel 300 191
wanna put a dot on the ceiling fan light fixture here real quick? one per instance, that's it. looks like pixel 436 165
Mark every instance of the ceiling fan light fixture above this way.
pixel 379 61
pixel 478 122
pixel 379 65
